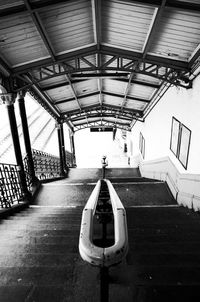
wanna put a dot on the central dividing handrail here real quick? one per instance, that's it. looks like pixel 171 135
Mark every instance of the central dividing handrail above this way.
pixel 103 256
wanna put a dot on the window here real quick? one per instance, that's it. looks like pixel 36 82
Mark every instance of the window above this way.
pixel 180 141
pixel 142 145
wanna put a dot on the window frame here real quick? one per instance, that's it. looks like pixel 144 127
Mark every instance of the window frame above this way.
pixel 142 145
pixel 177 147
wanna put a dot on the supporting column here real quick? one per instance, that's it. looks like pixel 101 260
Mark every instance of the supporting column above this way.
pixel 9 99
pixel 58 126
pixel 26 135
pixel 71 136
pixel 63 147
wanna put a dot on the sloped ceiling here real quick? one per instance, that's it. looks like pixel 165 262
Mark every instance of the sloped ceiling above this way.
pixel 98 62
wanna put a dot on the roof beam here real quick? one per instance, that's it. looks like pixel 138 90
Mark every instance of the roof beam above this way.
pixel 126 91
pixel 38 23
pixel 101 125
pixel 107 50
pixel 88 50
pixel 113 114
pixel 45 100
pixel 73 90
pixel 153 28
pixel 101 111
pixel 100 75
pixel 4 68
pixel 133 111
pixel 96 12
pixel 105 106
pixel 195 56
pixel 175 64
pixel 107 121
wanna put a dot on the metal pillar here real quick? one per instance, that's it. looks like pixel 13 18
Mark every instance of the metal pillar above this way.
pixel 10 99
pixel 58 126
pixel 22 111
pixel 71 136
pixel 63 147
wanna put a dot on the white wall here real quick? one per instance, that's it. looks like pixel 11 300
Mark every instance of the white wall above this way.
pixel 184 105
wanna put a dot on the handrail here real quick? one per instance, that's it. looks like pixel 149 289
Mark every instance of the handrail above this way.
pixel 103 256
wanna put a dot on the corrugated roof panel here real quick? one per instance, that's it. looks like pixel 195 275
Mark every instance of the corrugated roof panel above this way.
pixel 146 79
pixel 87 119
pixel 59 94
pixel 178 35
pixel 88 101
pixel 111 100
pixel 53 81
pixel 20 41
pixel 10 3
pixel 86 86
pixel 113 86
pixel 68 106
pixel 70 25
pixel 119 120
pixel 125 24
pixel 137 105
pixel 140 91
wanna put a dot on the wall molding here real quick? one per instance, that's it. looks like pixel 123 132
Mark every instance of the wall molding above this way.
pixel 184 187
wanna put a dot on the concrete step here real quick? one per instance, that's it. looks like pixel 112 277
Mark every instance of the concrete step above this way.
pixel 38 255
pixel 31 292
pixel 133 180
pixel 162 260
pixel 36 247
pixel 41 275
pixel 164 253
pixel 144 194
pixel 35 260
pixel 29 238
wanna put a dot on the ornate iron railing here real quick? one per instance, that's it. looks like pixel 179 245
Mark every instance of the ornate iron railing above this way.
pixel 46 165
pixel 70 160
pixel 10 185
pixel 27 174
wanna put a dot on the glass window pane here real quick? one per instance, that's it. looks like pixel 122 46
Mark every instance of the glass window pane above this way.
pixel 174 136
pixel 184 145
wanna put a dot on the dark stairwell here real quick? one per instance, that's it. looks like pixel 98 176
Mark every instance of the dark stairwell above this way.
pixel 39 259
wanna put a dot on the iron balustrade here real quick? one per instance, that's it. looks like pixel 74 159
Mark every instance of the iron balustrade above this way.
pixel 46 165
pixel 10 185
pixel 70 160
pixel 29 182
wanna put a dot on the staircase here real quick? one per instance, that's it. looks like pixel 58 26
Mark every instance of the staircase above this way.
pixel 38 253
pixel 39 259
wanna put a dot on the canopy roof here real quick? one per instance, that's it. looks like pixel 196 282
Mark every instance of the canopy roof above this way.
pixel 98 62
